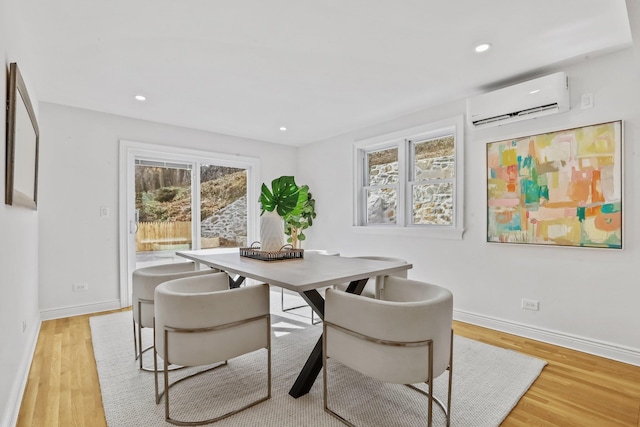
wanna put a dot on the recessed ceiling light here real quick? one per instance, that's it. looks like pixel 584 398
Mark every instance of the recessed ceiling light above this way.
pixel 534 91
pixel 483 47
pixel 283 129
pixel 140 97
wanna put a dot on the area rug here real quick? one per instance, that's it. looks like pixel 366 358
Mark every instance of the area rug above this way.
pixel 487 383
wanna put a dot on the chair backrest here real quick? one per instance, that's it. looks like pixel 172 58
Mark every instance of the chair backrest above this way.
pixel 201 302
pixel 145 280
pixel 418 313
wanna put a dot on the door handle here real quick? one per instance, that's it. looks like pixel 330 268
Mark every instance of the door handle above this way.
pixel 133 227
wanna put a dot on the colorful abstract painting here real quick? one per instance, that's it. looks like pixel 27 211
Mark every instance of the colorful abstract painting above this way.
pixel 559 188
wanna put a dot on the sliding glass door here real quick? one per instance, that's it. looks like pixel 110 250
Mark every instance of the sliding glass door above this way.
pixel 179 199
pixel 163 215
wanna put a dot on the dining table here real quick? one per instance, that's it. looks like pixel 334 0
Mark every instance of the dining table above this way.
pixel 305 275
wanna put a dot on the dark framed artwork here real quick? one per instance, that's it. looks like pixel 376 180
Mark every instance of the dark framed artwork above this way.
pixel 559 188
pixel 23 138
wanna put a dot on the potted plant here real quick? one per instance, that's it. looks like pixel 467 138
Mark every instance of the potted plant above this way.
pixel 283 200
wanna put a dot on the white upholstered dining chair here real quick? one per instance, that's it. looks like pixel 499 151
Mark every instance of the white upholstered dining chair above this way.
pixel 143 283
pixel 199 321
pixel 404 338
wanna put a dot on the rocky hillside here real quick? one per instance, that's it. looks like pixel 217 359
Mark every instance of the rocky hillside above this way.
pixel 173 202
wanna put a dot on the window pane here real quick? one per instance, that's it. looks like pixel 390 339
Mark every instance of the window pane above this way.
pixel 383 167
pixel 163 207
pixel 223 207
pixel 433 204
pixel 382 206
pixel 434 159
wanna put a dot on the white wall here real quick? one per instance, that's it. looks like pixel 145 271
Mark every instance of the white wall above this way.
pixel 18 251
pixel 588 297
pixel 79 173
pixel 583 304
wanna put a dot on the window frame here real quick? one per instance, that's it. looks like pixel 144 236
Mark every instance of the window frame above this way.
pixel 402 140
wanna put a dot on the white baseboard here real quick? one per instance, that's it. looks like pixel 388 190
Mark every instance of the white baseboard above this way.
pixel 10 419
pixel 587 345
pixel 58 313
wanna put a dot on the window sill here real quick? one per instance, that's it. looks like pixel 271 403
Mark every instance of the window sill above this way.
pixel 422 232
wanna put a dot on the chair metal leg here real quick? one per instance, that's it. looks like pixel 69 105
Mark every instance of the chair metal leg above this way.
pixel 450 381
pixel 429 394
pixel 138 328
pixel 314 321
pixel 325 387
pixel 140 333
pixel 138 351
pixel 135 340
pixel 282 303
pixel 137 332
pixel 313 318
pixel 447 409
pixel 140 355
pixel 168 385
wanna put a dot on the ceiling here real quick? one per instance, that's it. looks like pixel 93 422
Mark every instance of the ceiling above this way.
pixel 320 68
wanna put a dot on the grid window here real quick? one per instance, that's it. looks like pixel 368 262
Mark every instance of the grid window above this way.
pixel 411 179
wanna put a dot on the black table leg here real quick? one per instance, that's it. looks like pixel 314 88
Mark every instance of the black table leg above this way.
pixel 309 372
pixel 357 286
pixel 235 283
pixel 315 301
pixel 313 365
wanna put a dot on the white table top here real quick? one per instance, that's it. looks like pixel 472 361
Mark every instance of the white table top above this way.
pixel 311 272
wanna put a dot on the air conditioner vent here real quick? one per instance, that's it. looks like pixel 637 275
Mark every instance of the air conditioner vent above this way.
pixel 531 99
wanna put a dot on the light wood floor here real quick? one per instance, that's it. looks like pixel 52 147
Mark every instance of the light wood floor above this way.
pixel 574 389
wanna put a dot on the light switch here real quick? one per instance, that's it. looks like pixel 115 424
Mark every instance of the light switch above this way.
pixel 586 101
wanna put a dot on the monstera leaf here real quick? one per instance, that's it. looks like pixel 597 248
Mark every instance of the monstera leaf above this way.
pixel 285 197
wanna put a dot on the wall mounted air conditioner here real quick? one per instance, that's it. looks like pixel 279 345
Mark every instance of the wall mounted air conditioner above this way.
pixel 534 98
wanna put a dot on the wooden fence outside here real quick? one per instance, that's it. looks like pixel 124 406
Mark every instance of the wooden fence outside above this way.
pixel 163 235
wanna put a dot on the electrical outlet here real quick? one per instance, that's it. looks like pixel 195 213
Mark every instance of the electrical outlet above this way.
pixel 104 211
pixel 530 304
pixel 80 287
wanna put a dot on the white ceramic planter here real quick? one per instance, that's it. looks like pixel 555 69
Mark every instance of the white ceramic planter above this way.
pixel 271 231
